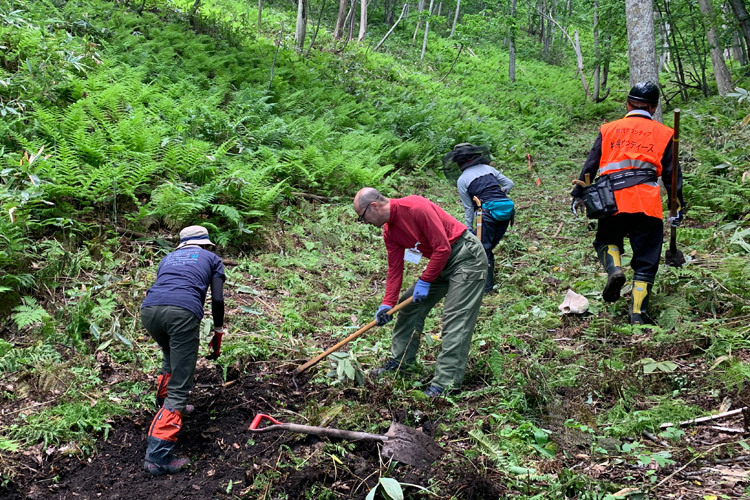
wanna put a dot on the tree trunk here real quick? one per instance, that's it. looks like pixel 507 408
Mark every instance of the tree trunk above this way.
pixel 260 13
pixel 440 7
pixel 339 30
pixel 597 52
pixel 738 50
pixel 542 20
pixel 721 72
pixel 740 12
pixel 389 6
pixel 664 29
pixel 548 38
pixel 639 17
pixel 420 8
pixel 350 17
pixel 403 10
pixel 455 16
pixel 512 43
pixel 317 28
pixel 362 21
pixel 301 30
pixel 426 31
pixel 579 55
pixel 702 54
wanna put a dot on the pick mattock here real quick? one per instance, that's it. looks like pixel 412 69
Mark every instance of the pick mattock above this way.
pixel 673 257
pixel 479 217
pixel 348 339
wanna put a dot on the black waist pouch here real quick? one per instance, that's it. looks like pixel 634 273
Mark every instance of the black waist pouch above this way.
pixel 599 198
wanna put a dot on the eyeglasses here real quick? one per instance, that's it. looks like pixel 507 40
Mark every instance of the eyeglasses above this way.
pixel 361 218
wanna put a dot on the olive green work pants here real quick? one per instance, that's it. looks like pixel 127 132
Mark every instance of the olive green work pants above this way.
pixel 177 331
pixel 462 284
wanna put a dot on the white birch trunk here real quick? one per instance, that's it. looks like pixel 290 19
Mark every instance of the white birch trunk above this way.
pixel 639 17
pixel 455 16
pixel 339 29
pixel 512 44
pixel 301 29
pixel 362 21
pixel 426 31
pixel 721 72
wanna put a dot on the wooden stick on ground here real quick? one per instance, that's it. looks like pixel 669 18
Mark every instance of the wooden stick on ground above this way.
pixel 704 419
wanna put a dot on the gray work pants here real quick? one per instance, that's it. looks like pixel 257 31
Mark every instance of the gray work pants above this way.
pixel 177 331
pixel 461 283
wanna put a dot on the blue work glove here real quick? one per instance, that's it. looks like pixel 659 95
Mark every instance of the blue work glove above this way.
pixel 382 317
pixel 677 219
pixel 421 291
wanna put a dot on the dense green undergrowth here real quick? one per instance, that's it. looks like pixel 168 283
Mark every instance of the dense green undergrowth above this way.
pixel 116 123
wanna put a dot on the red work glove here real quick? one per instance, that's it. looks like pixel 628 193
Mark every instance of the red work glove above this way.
pixel 215 344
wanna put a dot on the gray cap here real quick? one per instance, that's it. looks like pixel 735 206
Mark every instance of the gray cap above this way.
pixel 194 235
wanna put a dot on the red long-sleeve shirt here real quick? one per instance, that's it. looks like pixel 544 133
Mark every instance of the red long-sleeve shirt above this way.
pixel 416 219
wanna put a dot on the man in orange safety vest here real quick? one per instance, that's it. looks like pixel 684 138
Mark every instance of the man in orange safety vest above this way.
pixel 635 151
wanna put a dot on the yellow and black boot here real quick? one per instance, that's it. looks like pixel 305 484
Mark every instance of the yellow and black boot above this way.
pixel 639 302
pixel 609 256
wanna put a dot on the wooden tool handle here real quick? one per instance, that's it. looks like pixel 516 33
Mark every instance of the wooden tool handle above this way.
pixel 348 339
pixel 321 431
pixel 675 163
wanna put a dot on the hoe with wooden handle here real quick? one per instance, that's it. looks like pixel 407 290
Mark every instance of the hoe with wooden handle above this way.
pixel 401 443
pixel 673 257
pixel 348 339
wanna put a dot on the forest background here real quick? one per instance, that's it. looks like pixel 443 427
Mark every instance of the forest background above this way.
pixel 124 121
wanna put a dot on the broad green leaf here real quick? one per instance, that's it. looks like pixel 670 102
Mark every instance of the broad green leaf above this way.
pixel 540 436
pixel 95 331
pixel 521 471
pixel 123 339
pixel 104 345
pixel 251 310
pixel 392 488
pixel 667 366
pixel 371 493
pixel 349 370
pixel 649 368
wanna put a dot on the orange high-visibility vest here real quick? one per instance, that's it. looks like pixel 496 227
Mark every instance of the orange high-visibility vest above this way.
pixel 635 143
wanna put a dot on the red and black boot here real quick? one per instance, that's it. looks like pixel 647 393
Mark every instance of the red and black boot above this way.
pixel 162 437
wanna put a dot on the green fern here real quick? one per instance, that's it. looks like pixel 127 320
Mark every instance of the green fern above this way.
pixel 30 313
pixel 34 356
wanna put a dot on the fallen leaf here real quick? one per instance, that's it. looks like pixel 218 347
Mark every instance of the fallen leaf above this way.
pixel 626 492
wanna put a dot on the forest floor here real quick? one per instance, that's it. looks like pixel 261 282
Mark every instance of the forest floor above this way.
pixel 553 406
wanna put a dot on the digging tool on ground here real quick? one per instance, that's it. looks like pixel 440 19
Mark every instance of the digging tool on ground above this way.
pixel 401 443
pixel 348 339
pixel 673 257
pixel 479 217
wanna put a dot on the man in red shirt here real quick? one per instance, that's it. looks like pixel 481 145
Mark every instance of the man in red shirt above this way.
pixel 414 227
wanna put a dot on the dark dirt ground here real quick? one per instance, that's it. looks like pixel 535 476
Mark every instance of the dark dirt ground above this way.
pixel 228 461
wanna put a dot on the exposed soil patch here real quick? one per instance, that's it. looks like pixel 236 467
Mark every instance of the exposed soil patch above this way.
pixel 228 461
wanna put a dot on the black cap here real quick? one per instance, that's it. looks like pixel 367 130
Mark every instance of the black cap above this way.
pixel 646 92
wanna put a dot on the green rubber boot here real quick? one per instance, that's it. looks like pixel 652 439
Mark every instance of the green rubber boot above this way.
pixel 609 256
